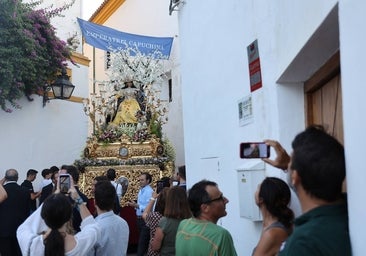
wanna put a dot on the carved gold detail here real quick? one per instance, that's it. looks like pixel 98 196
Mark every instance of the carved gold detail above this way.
pixel 144 149
pixel 131 172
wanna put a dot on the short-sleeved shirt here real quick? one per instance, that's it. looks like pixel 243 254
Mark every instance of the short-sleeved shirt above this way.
pixel 321 231
pixel 143 199
pixel 203 238
pixel 169 226
pixel 28 185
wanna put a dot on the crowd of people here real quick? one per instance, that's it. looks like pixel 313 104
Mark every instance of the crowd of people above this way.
pixel 175 221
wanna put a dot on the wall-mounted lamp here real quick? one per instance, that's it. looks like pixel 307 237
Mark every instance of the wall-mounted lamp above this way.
pixel 62 88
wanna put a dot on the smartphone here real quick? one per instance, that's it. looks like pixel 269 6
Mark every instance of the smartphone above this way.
pixel 65 183
pixel 254 150
pixel 159 186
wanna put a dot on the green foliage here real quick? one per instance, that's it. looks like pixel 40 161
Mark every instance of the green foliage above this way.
pixel 169 150
pixel 155 126
pixel 30 52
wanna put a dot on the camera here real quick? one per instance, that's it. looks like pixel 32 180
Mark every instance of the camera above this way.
pixel 254 150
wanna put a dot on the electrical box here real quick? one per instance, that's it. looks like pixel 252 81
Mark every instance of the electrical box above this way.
pixel 250 175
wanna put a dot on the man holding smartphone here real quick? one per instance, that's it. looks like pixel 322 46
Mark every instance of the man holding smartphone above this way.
pixel 317 170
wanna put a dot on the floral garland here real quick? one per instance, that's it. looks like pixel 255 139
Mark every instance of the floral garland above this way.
pixel 113 133
pixel 84 162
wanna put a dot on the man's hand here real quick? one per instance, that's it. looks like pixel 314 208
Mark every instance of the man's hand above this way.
pixel 282 159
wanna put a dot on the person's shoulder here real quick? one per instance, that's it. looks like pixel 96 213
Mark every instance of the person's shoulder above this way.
pixel 163 220
pixel 219 229
pixel 47 187
pixel 24 183
pixel 118 219
pixel 298 246
pixel 275 235
pixel 21 188
pixel 186 220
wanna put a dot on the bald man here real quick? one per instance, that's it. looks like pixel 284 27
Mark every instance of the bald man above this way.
pixel 13 211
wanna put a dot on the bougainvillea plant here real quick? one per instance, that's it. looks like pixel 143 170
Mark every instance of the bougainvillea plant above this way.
pixel 30 52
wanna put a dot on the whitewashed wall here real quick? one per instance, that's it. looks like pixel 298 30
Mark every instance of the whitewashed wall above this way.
pixel 150 18
pixel 37 137
pixel 352 20
pixel 214 69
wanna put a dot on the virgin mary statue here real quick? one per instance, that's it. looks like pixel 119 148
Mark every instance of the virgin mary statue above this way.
pixel 127 109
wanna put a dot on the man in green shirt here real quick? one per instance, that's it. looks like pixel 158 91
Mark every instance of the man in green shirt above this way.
pixel 317 170
pixel 200 235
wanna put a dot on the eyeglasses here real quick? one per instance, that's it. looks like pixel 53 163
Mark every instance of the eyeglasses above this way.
pixel 220 198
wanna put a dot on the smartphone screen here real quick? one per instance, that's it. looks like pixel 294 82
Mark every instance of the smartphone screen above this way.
pixel 159 186
pixel 64 180
pixel 254 150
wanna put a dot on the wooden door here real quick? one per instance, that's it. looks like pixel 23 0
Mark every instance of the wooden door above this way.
pixel 323 100
pixel 323 94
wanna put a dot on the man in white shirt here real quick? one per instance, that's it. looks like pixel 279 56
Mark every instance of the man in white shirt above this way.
pixel 46 174
pixel 114 229
pixel 111 175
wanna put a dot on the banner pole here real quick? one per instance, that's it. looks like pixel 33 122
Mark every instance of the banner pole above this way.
pixel 94 86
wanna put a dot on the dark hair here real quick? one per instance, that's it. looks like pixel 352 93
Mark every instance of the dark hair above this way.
pixel 197 195
pixel 126 86
pixel 101 178
pixel 182 171
pixel 56 211
pixel 45 172
pixel 276 197
pixel 54 169
pixel 148 176
pixel 165 181
pixel 161 200
pixel 176 204
pixel 73 171
pixel 31 172
pixel 105 195
pixel 318 158
pixel 111 174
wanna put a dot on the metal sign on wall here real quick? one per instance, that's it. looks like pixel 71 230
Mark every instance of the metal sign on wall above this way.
pixel 254 66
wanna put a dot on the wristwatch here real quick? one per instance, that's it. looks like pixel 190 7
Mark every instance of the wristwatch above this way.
pixel 79 201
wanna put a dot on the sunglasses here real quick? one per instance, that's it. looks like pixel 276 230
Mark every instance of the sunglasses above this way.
pixel 220 198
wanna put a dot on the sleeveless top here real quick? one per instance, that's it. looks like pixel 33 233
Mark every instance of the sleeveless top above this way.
pixel 276 224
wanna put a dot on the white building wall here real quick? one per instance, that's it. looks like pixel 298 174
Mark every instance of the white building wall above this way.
pixel 37 137
pixel 149 18
pixel 214 69
pixel 352 21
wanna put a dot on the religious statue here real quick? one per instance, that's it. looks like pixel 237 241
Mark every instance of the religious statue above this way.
pixel 127 109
